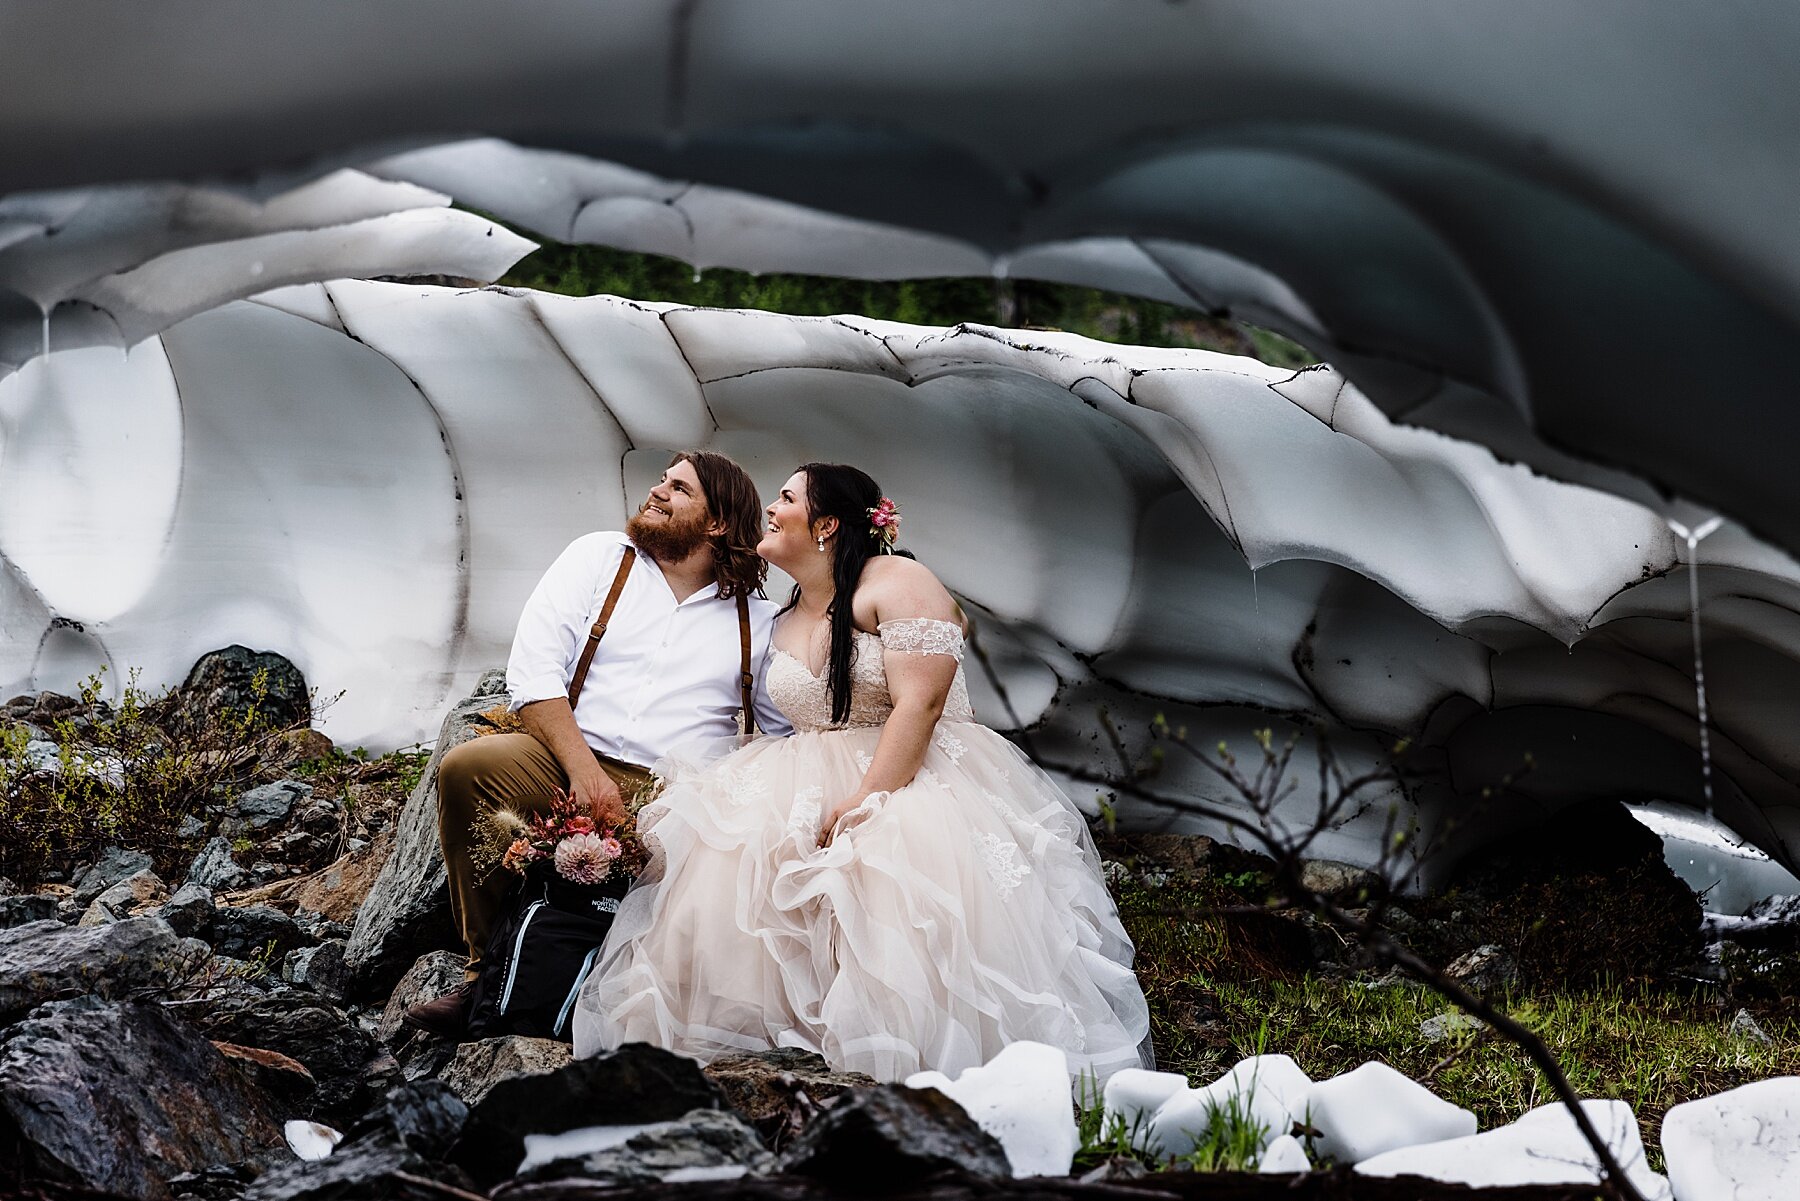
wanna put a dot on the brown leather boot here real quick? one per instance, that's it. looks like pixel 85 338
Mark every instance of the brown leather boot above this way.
pixel 446 1017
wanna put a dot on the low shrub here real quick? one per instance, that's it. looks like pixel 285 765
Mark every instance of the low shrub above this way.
pixel 126 774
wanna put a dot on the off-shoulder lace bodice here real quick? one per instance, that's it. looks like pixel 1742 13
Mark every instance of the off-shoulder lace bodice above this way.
pixel 805 699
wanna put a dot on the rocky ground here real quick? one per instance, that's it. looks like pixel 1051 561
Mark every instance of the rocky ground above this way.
pixel 195 994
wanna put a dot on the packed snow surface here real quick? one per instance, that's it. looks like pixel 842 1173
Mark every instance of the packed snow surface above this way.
pixel 1021 1097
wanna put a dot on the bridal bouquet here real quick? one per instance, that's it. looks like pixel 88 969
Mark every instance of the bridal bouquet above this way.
pixel 567 840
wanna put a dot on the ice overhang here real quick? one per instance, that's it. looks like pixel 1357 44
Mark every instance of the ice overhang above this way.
pixel 1561 232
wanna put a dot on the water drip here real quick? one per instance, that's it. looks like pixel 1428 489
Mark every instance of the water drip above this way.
pixel 1692 538
pixel 696 275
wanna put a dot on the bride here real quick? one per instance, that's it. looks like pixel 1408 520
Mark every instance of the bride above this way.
pixel 893 886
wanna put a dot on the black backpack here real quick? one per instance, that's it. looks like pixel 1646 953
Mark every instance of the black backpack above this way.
pixel 534 966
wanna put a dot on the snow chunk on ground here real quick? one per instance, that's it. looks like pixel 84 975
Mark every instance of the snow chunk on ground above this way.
pixel 1132 1096
pixel 1270 1090
pixel 1374 1109
pixel 311 1141
pixel 1543 1147
pixel 1276 1076
pixel 1021 1097
pixel 1256 1090
pixel 1285 1154
pixel 541 1149
pixel 1743 1144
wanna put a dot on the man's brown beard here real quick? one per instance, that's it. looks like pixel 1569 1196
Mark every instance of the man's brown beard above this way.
pixel 669 541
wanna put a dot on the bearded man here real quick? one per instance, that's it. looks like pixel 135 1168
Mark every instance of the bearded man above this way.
pixel 678 598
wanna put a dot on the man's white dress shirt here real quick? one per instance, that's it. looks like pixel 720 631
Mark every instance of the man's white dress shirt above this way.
pixel 664 674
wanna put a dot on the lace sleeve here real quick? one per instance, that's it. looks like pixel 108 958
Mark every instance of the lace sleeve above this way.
pixel 922 636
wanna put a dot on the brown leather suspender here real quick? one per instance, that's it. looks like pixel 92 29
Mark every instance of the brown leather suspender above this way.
pixel 599 630
pixel 746 680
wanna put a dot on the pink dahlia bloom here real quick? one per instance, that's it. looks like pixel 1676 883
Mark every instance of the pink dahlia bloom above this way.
pixel 583 858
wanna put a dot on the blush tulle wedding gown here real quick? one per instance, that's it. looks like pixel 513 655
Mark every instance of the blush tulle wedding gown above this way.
pixel 958 914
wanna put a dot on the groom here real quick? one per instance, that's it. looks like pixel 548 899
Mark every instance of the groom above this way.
pixel 631 645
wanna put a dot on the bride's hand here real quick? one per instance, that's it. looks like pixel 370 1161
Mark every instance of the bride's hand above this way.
pixel 834 815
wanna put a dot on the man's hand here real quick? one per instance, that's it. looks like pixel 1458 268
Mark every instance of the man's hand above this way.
pixel 552 723
pixel 596 792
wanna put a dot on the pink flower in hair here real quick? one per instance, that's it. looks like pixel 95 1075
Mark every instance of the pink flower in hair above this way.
pixel 884 524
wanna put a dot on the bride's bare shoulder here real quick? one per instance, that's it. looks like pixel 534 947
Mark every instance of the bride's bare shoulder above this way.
pixel 893 586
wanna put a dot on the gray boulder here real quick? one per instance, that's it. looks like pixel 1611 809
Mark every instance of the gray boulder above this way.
pixel 407 912
pixel 265 871
pixel 782 1089
pixel 265 807
pixel 223 683
pixel 256 932
pixel 119 1097
pixel 475 1068
pixel 1329 878
pixel 707 1144
pixel 30 907
pixel 48 961
pixel 420 1053
pixel 189 912
pixel 429 978
pixel 43 755
pixel 1488 970
pixel 215 869
pixel 128 898
pixel 115 864
pixel 318 969
pixel 1744 1026
pixel 634 1085
pixel 1446 1026
pixel 282 1080
pixel 321 817
pixel 300 847
pixel 896 1135
pixel 349 1068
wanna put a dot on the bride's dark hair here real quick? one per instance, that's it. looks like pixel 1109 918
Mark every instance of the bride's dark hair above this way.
pixel 846 493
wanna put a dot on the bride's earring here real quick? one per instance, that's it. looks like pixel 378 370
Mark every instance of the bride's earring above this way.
pixel 821 542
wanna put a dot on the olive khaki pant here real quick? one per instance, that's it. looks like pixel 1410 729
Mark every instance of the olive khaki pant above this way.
pixel 512 770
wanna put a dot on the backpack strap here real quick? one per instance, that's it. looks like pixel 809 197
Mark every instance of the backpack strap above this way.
pixel 599 630
pixel 746 681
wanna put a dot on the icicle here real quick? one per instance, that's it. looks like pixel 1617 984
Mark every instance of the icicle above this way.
pixel 1692 538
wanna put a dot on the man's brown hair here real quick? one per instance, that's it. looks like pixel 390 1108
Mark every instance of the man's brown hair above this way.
pixel 732 498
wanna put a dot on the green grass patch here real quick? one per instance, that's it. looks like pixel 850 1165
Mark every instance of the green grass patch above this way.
pixel 1221 988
